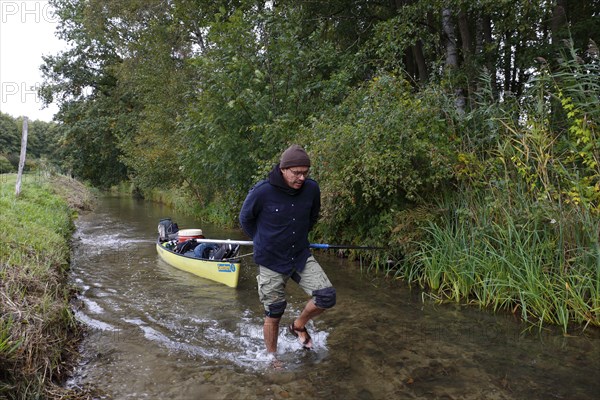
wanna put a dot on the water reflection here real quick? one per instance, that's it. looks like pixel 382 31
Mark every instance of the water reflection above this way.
pixel 158 332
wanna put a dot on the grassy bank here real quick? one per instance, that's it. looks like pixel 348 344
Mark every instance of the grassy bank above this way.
pixel 37 329
pixel 541 266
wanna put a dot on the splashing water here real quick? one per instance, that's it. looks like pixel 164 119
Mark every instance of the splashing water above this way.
pixel 158 332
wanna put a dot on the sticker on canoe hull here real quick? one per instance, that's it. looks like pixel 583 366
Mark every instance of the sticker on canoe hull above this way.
pixel 226 267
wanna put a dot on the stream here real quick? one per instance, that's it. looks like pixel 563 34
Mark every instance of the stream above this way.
pixel 155 332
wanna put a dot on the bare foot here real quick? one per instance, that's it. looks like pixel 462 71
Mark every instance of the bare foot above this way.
pixel 275 363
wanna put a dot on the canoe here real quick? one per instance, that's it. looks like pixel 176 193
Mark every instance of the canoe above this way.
pixel 225 271
pixel 219 260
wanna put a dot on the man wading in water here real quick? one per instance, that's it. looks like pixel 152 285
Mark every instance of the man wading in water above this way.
pixel 277 214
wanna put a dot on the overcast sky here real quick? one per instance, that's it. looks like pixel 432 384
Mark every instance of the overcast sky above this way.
pixel 26 33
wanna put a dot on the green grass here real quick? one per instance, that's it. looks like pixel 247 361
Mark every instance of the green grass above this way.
pixel 512 259
pixel 37 328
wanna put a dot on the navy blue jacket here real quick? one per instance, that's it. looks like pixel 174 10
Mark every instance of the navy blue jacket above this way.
pixel 278 219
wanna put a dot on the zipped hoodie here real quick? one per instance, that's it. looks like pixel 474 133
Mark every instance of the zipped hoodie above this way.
pixel 278 218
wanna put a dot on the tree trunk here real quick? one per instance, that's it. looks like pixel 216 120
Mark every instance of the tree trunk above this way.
pixel 514 81
pixel 489 55
pixel 448 28
pixel 559 19
pixel 419 57
pixel 409 63
pixel 452 56
pixel 465 36
pixel 414 57
pixel 507 61
pixel 467 52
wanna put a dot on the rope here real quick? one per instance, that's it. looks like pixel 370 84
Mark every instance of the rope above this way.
pixel 237 257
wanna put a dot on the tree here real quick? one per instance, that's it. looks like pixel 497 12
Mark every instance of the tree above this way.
pixel 82 81
pixel 10 140
pixel 178 87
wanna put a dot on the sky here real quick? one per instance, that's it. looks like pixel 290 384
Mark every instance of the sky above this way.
pixel 26 33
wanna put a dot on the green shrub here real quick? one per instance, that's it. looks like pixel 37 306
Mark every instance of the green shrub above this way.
pixel 521 233
pixel 5 165
pixel 382 152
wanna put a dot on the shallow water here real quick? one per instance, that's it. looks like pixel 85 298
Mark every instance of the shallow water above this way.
pixel 157 332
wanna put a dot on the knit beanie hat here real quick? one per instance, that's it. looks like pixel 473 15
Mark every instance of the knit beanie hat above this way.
pixel 294 156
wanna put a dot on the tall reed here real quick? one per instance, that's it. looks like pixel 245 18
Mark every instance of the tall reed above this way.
pixel 522 234
pixel 508 263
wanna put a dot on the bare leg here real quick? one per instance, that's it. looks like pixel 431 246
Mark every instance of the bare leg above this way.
pixel 271 334
pixel 310 311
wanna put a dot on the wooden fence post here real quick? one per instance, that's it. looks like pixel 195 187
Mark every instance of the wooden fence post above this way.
pixel 22 157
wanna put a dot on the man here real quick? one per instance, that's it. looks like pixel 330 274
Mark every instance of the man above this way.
pixel 277 214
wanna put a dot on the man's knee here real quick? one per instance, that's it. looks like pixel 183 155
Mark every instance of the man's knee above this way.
pixel 324 298
pixel 276 310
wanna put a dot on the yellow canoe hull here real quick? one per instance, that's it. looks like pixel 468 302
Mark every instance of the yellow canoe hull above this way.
pixel 225 272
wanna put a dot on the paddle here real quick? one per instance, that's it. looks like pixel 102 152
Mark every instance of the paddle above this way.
pixel 312 245
pixel 341 246
pixel 226 241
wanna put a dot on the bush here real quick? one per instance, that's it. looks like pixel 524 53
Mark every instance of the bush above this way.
pixel 385 150
pixel 5 165
pixel 521 233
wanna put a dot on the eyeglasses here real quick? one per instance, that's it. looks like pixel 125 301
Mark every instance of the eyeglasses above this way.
pixel 298 174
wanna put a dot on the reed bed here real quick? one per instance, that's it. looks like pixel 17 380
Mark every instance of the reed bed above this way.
pixel 521 230
pixel 512 260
